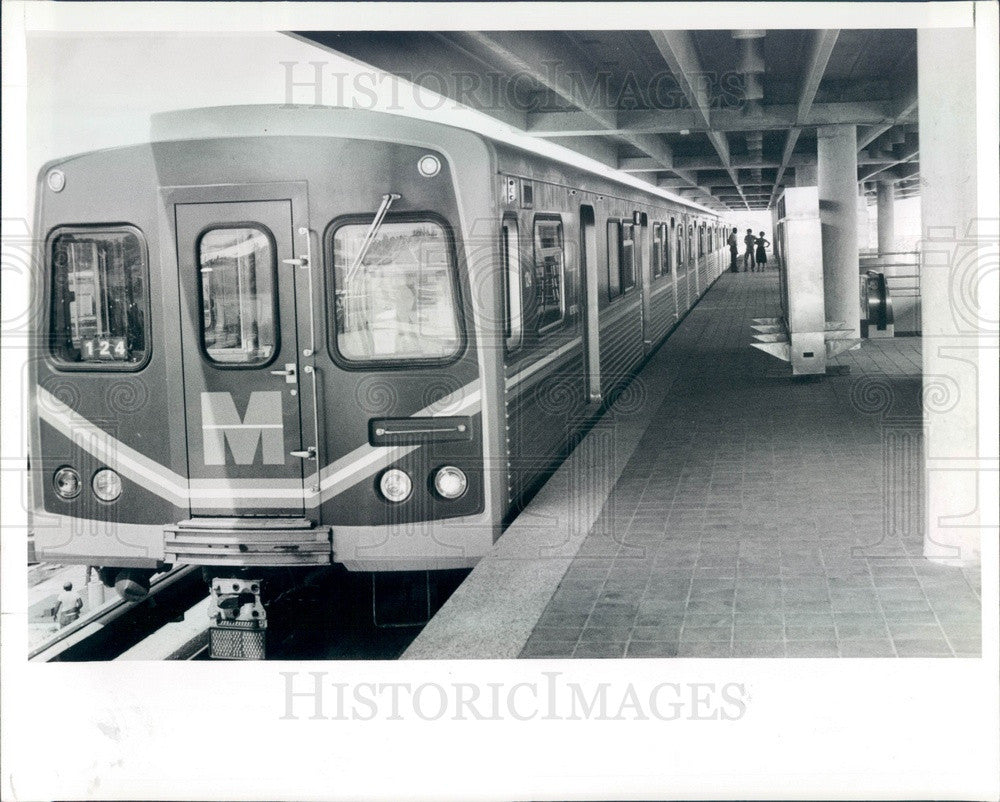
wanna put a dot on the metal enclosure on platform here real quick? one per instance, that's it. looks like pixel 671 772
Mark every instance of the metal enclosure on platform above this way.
pixel 801 335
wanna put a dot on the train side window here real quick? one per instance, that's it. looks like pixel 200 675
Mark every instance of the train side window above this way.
pixel 550 289
pixel 628 257
pixel 238 297
pixel 399 303
pixel 510 248
pixel 614 259
pixel 679 239
pixel 100 302
pixel 657 252
pixel 668 254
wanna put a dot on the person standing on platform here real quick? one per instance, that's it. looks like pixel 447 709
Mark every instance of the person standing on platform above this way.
pixel 734 251
pixel 748 259
pixel 761 255
pixel 68 606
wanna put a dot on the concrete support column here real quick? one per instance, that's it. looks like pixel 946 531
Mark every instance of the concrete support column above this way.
pixel 863 225
pixel 837 151
pixel 886 217
pixel 950 274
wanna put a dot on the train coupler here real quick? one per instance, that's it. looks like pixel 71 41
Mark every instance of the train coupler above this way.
pixel 240 621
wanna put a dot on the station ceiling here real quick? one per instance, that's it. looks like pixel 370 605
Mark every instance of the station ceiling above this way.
pixel 723 117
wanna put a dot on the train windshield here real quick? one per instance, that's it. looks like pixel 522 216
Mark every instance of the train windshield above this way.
pixel 399 302
pixel 99 297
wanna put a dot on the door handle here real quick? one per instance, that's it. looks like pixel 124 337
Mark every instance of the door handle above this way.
pixel 289 373
pixel 309 453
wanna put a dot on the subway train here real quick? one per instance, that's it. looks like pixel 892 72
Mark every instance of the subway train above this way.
pixel 274 338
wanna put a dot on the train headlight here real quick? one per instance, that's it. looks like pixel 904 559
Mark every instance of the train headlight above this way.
pixel 67 483
pixel 450 482
pixel 395 485
pixel 107 484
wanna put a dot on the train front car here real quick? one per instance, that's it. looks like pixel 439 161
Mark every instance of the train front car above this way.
pixel 266 343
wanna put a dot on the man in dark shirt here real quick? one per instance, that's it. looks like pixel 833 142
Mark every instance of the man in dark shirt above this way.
pixel 749 240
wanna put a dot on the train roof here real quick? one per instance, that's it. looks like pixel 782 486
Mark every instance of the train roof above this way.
pixel 235 80
pixel 274 120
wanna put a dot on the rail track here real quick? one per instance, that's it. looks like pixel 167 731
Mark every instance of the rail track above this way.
pixel 117 627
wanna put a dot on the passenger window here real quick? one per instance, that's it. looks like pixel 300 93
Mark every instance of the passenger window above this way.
pixel 550 301
pixel 679 239
pixel 99 297
pixel 628 256
pixel 237 295
pixel 399 301
pixel 614 259
pixel 657 253
pixel 511 257
pixel 667 252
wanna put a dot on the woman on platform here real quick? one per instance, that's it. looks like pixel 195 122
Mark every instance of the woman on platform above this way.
pixel 761 256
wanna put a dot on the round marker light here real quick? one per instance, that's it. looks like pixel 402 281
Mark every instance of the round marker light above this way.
pixel 395 485
pixel 56 179
pixel 450 482
pixel 429 166
pixel 67 483
pixel 107 485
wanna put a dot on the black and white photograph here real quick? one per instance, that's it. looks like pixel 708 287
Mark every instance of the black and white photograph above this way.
pixel 500 401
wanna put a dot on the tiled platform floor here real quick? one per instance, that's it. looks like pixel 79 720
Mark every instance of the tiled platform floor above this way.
pixel 763 516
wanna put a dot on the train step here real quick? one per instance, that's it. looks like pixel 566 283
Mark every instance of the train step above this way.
pixel 247 541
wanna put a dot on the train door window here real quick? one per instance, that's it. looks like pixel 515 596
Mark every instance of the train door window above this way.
pixel 628 257
pixel 99 298
pixel 679 241
pixel 550 290
pixel 398 301
pixel 656 261
pixel 614 259
pixel 510 253
pixel 237 295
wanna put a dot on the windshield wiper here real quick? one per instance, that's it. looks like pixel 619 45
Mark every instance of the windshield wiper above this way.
pixel 366 243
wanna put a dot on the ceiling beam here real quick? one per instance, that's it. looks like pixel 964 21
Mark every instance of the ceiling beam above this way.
pixel 819 55
pixel 643 164
pixel 909 157
pixel 902 106
pixel 678 50
pixel 528 54
pixel 675 121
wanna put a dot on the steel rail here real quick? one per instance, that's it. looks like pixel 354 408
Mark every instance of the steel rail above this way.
pixel 120 625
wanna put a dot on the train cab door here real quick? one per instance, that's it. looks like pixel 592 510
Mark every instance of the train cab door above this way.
pixel 239 348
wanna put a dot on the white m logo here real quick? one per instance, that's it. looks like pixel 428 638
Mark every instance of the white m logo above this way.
pixel 221 423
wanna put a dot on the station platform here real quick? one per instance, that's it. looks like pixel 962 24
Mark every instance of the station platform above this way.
pixel 721 508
